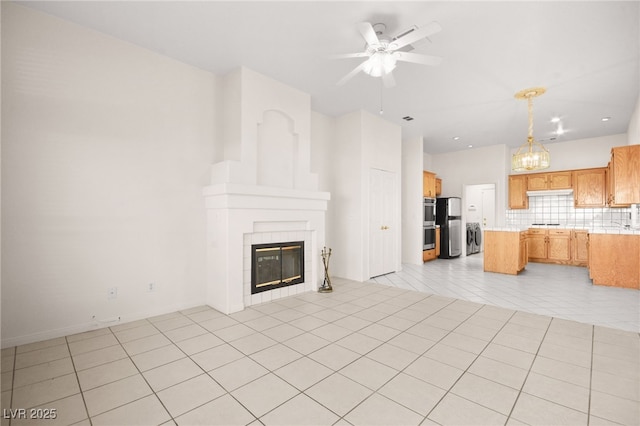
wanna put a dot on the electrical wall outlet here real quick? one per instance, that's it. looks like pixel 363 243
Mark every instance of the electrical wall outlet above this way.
pixel 151 287
pixel 112 293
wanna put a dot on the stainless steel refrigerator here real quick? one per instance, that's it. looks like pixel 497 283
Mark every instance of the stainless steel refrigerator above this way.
pixel 449 217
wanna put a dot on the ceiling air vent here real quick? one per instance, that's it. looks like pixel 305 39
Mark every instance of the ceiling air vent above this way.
pixel 407 118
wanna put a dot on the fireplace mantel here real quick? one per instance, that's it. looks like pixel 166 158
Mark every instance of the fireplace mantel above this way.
pixel 234 196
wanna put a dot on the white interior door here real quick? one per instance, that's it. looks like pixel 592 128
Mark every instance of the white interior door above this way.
pixel 382 228
pixel 488 210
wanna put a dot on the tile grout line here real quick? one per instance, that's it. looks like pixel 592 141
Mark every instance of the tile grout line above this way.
pixel 227 392
pixel 529 371
pixel 469 366
pixel 375 391
pixel 84 402
pixel 335 371
pixel 593 332
pixel 13 378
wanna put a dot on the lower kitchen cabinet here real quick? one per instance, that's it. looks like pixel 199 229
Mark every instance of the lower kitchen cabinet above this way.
pixel 537 244
pixel 505 251
pixel 561 246
pixel 523 253
pixel 614 260
pixel 428 255
pixel 431 254
pixel 580 250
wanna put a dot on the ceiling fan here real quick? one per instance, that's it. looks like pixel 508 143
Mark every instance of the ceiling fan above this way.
pixel 382 52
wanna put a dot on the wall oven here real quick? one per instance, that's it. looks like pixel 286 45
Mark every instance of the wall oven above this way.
pixel 428 237
pixel 429 208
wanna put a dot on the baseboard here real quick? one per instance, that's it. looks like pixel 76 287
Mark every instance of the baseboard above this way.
pixel 93 325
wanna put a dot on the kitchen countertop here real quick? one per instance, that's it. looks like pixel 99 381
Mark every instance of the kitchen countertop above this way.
pixel 597 230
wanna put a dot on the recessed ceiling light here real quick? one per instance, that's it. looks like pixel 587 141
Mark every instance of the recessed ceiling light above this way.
pixel 469 146
pixel 606 118
pixel 560 131
pixel 455 138
pixel 555 120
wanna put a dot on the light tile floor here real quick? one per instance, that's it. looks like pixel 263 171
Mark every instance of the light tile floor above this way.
pixel 366 354
pixel 560 291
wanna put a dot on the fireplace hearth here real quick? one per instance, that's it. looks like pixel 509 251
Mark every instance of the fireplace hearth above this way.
pixel 276 265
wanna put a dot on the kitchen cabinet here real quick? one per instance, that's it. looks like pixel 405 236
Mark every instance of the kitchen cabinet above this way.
pixel 438 186
pixel 538 244
pixel 551 246
pixel 624 176
pixel 433 253
pixel 428 255
pixel 505 251
pixel 580 247
pixel 559 245
pixel 518 192
pixel 590 187
pixel 551 180
pixel 523 252
pixel 428 184
pixel 614 260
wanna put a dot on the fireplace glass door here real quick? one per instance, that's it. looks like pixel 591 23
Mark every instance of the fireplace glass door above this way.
pixel 276 265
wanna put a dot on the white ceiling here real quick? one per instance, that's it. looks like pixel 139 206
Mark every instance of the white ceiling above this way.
pixel 586 54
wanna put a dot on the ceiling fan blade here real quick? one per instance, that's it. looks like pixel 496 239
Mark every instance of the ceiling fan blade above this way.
pixel 417 58
pixel 388 80
pixel 366 29
pixel 416 35
pixel 350 55
pixel 353 72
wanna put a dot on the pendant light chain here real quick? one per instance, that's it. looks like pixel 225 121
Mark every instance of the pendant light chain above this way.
pixel 530 107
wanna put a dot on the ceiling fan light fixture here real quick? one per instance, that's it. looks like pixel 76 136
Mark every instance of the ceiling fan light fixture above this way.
pixel 531 155
pixel 379 63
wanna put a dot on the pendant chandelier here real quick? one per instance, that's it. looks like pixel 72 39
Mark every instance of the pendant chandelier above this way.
pixel 531 155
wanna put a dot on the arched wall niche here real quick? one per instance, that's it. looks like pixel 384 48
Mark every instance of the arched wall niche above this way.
pixel 277 159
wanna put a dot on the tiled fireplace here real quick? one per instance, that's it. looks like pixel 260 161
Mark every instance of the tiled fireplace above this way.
pixel 239 216
pixel 263 191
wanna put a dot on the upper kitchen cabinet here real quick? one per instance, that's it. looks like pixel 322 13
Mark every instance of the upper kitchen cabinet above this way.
pixel 429 184
pixel 551 180
pixel 518 192
pixel 590 187
pixel 624 175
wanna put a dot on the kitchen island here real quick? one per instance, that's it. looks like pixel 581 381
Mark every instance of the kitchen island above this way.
pixel 614 259
pixel 505 250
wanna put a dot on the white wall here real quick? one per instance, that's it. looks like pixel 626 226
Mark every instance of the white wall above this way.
pixel 581 153
pixel 106 149
pixel 382 149
pixel 633 132
pixel 362 141
pixel 474 167
pixel 412 220
pixel 345 208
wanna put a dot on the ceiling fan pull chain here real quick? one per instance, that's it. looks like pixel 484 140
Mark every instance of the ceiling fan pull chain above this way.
pixel 381 90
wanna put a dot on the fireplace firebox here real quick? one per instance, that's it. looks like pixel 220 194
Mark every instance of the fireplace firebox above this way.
pixel 276 265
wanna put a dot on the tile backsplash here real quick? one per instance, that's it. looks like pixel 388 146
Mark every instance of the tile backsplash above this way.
pixel 560 209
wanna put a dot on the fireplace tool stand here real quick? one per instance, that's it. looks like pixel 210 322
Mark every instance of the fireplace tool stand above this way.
pixel 326 285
